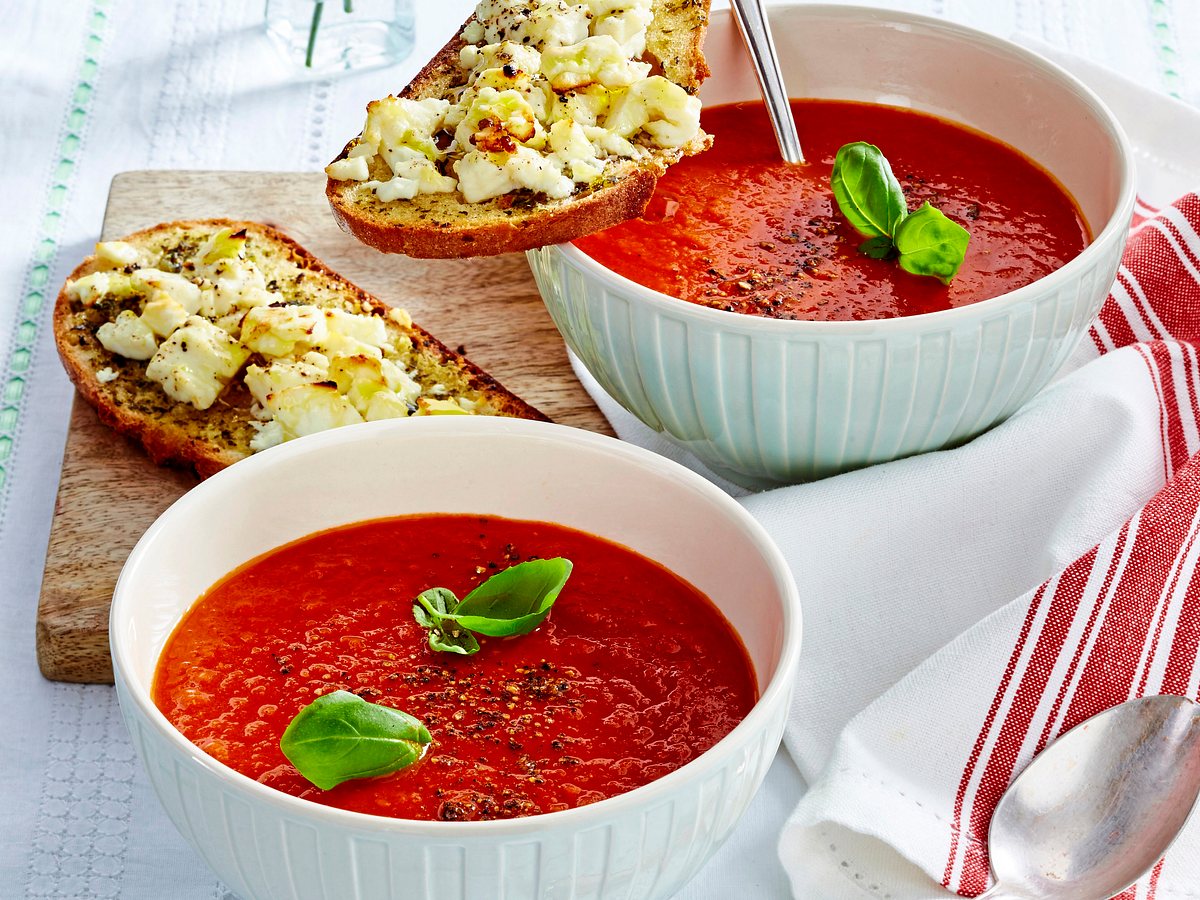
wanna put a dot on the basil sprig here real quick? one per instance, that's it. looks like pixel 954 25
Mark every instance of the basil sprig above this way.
pixel 341 736
pixel 924 242
pixel 514 601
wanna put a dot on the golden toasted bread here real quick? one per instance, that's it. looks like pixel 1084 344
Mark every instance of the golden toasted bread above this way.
pixel 445 224
pixel 425 376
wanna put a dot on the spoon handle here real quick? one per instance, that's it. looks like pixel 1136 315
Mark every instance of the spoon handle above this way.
pixel 752 23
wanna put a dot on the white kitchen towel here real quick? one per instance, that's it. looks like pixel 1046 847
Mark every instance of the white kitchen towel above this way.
pixel 1005 533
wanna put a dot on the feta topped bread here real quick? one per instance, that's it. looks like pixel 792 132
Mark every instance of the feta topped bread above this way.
pixel 541 121
pixel 209 340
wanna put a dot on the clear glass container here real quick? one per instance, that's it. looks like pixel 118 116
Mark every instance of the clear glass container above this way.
pixel 326 36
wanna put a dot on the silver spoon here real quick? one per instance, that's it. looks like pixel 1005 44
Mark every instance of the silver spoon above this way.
pixel 1100 806
pixel 752 23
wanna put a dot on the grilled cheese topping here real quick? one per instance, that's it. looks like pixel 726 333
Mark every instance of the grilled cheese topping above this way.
pixel 531 67
pixel 218 319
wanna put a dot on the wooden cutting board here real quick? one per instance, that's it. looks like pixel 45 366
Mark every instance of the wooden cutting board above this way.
pixel 110 492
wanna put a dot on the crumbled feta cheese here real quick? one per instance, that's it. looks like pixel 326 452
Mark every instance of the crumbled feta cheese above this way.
pixel 665 110
pixel 482 176
pixel 195 363
pixel 172 284
pixel 308 408
pixel 163 314
pixel 263 381
pixel 275 330
pixel 388 405
pixel 117 254
pixel 89 288
pixel 127 336
pixel 624 20
pixel 594 60
pixel 105 375
pixel 352 168
pixel 270 434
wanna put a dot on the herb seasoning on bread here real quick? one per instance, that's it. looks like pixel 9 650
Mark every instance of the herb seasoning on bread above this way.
pixel 210 340
pixel 542 121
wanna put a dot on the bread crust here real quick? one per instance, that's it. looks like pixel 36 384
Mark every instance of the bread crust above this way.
pixel 439 226
pixel 207 441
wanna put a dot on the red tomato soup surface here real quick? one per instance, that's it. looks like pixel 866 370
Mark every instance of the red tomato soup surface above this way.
pixel 634 673
pixel 737 229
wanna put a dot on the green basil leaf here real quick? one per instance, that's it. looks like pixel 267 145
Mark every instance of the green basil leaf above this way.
pixel 452 639
pixel 866 191
pixel 433 605
pixel 514 601
pixel 341 736
pixel 878 248
pixel 931 244
pixel 434 609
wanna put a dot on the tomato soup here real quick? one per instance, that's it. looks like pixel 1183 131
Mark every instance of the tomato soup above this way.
pixel 634 673
pixel 737 229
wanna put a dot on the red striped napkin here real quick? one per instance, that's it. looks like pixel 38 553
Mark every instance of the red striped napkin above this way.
pixel 900 807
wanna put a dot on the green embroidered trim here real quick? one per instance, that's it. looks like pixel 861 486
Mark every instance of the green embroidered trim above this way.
pixel 1164 46
pixel 45 254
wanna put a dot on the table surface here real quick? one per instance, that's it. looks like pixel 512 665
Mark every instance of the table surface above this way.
pixel 98 87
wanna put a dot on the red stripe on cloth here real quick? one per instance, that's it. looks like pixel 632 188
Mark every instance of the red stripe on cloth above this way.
pixel 977 750
pixel 998 770
pixel 1117 553
pixel 1154 874
pixel 1163 608
pixel 1117 324
pixel 1189 249
pixel 1162 409
pixel 1126 280
pixel 1110 673
pixel 1189 369
pixel 1162 273
pixel 1169 366
pixel 1186 643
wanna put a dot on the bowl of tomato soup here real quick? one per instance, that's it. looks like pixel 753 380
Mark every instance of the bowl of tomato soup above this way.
pixel 614 741
pixel 740 318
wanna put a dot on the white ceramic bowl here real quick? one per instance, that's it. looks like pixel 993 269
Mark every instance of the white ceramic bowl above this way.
pixel 767 402
pixel 646 843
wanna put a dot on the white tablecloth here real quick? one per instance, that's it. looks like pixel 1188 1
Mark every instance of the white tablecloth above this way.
pixel 95 88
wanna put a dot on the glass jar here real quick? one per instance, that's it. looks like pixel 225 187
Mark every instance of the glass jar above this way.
pixel 326 36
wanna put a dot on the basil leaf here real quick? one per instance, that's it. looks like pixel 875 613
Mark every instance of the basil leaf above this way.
pixel 434 609
pixel 341 736
pixel 878 248
pixel 931 244
pixel 433 605
pixel 452 639
pixel 516 600
pixel 866 191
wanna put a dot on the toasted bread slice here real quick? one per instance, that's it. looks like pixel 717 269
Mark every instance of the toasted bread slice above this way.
pixel 209 439
pixel 446 225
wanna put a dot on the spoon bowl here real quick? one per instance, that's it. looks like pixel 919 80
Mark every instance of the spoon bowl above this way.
pixel 1100 806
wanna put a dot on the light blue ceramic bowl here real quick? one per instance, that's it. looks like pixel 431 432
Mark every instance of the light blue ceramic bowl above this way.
pixel 767 402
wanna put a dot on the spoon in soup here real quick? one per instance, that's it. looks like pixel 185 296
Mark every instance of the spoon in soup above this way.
pixel 1099 807
pixel 756 32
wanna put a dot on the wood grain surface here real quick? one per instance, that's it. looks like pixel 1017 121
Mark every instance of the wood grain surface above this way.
pixel 110 492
